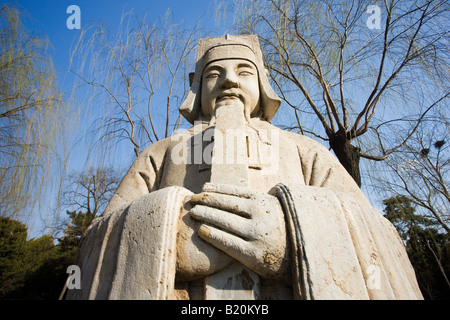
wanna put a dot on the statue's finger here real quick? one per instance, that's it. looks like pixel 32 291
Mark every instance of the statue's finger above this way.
pixel 222 219
pixel 232 245
pixel 233 204
pixel 238 191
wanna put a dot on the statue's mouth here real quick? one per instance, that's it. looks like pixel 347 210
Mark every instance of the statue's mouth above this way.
pixel 228 96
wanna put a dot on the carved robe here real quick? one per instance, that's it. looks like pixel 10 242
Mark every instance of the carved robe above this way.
pixel 341 247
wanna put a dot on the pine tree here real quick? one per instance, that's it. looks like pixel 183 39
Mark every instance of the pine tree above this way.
pixel 427 248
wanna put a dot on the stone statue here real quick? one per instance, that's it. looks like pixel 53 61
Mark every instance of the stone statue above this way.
pixel 235 208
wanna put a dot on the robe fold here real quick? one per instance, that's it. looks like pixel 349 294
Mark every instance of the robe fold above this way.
pixel 342 248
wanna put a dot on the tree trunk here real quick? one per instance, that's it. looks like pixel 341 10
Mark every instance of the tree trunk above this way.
pixel 347 154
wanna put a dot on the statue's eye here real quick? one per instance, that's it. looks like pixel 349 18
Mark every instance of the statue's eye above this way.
pixel 246 72
pixel 212 75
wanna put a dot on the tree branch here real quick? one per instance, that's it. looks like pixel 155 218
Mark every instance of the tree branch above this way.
pixel 386 154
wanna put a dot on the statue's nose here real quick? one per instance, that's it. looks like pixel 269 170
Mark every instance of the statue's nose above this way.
pixel 230 81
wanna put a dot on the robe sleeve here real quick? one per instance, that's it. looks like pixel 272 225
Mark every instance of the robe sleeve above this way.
pixel 130 251
pixel 322 169
pixel 142 177
pixel 342 247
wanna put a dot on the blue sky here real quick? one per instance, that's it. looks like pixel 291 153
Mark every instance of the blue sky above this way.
pixel 48 18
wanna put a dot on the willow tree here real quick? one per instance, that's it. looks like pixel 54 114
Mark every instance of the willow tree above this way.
pixel 31 117
pixel 348 67
pixel 420 169
pixel 134 77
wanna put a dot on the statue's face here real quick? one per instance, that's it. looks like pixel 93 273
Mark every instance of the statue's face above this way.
pixel 226 82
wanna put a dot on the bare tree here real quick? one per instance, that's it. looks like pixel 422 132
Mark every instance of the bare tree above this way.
pixel 420 169
pixel 130 71
pixel 91 190
pixel 32 121
pixel 341 76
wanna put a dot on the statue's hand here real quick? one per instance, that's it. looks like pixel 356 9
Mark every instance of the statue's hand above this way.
pixel 247 225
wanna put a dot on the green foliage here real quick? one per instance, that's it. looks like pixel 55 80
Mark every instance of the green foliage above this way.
pixel 429 253
pixel 427 248
pixel 36 269
pixel 401 212
pixel 46 281
pixel 20 260
pixel 13 251
pixel 79 223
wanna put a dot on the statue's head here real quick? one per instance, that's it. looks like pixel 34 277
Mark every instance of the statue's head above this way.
pixel 230 69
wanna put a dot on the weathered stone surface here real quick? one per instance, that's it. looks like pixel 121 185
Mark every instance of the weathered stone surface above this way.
pixel 282 220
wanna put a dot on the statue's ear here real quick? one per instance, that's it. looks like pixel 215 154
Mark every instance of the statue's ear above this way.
pixel 191 78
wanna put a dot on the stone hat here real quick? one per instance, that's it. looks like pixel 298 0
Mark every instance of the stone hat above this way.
pixel 229 47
